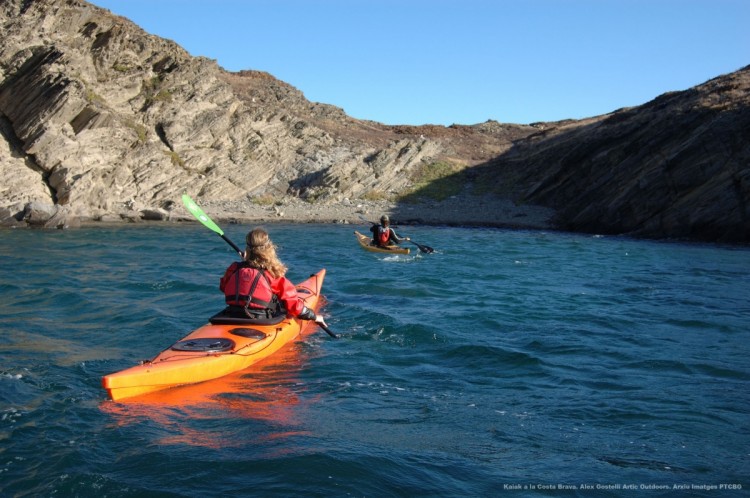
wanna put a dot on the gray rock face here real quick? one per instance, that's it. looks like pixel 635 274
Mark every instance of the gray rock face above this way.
pixel 102 118
pixel 102 121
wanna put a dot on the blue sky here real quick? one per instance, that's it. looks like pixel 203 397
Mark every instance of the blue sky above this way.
pixel 462 61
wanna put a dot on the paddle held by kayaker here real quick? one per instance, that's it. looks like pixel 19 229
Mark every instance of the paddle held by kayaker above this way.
pixel 383 235
pixel 258 284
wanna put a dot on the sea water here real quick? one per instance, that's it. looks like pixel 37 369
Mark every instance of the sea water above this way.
pixel 532 363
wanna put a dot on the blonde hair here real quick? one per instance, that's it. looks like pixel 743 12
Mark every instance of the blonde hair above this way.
pixel 261 253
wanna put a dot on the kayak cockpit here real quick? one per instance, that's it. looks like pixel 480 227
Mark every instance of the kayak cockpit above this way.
pixel 235 315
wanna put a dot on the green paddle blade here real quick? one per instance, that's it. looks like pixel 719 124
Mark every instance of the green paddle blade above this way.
pixel 200 215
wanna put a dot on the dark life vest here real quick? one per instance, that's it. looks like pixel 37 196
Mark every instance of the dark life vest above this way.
pixel 250 287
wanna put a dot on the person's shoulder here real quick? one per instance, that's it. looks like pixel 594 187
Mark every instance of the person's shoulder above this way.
pixel 238 264
pixel 272 276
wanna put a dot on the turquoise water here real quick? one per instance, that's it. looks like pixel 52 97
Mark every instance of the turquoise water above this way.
pixel 506 360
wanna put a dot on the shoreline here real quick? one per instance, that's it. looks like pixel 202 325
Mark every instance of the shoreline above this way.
pixel 463 210
pixel 457 211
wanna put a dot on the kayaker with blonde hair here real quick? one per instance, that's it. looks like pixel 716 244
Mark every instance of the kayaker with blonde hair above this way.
pixel 259 285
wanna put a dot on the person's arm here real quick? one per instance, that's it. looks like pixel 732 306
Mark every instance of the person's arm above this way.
pixel 295 306
pixel 395 238
pixel 287 294
pixel 223 281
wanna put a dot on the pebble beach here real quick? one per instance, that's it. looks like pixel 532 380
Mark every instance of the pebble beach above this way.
pixel 455 211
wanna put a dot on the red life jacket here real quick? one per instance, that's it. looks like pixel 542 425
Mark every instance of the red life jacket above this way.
pixel 383 235
pixel 252 291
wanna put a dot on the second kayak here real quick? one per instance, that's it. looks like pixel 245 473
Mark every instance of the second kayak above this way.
pixel 366 243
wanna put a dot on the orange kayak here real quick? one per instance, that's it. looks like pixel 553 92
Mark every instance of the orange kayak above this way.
pixel 226 344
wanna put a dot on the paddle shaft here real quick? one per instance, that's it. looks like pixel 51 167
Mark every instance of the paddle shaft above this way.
pixel 207 222
pixel 422 248
pixel 234 246
pixel 328 331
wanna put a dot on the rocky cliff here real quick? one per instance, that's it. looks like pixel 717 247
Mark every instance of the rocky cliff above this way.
pixel 102 121
pixel 678 166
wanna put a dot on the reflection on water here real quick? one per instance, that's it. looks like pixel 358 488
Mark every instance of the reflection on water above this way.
pixel 268 393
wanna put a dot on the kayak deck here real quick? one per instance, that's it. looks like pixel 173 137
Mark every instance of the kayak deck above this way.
pixel 366 243
pixel 214 350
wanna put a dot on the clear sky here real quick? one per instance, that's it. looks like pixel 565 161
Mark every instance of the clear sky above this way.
pixel 462 61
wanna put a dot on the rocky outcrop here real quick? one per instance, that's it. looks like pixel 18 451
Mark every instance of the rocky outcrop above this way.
pixel 111 122
pixel 676 167
pixel 102 121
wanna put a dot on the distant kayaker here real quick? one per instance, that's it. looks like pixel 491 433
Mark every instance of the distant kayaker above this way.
pixel 258 283
pixel 383 235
